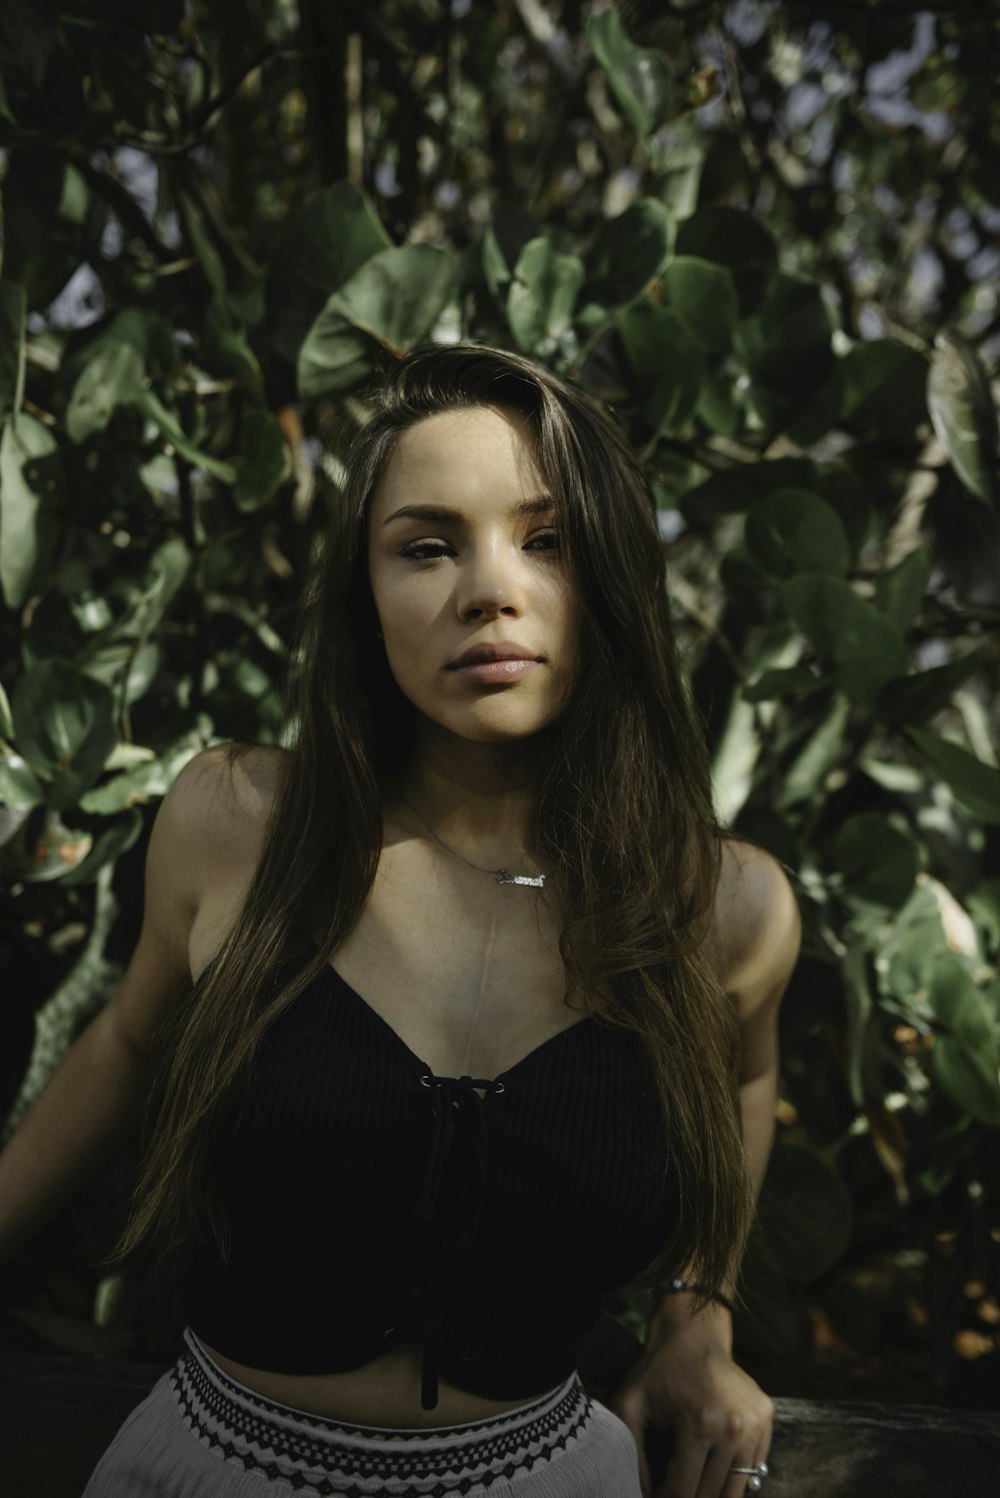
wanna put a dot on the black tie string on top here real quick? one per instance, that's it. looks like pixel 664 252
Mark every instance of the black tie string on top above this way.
pixel 451 1201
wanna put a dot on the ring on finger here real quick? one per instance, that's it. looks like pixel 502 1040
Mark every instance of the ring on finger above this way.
pixel 755 1475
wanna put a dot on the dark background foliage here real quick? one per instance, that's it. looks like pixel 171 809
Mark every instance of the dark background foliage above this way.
pixel 767 234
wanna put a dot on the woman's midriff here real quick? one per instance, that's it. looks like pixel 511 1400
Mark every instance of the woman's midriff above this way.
pixel 383 1392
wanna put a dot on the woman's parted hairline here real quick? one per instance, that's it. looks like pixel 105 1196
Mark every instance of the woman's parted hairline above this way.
pixel 543 390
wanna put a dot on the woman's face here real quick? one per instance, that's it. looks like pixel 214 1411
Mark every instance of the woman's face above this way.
pixel 478 614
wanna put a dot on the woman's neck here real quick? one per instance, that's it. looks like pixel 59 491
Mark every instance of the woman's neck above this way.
pixel 480 799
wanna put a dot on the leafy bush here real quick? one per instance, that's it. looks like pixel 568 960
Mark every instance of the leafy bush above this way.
pixel 827 505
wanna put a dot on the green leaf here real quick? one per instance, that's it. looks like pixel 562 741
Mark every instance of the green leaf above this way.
pixel 922 694
pixel 677 180
pixel 495 268
pixel 398 295
pixel 628 253
pixel 20 787
pixel 223 351
pixel 763 825
pixel 109 366
pixel 13 311
pixel 144 783
pixel 718 404
pixel 915 939
pixel 877 861
pixel 803 778
pixel 792 530
pixel 866 650
pixel 54 850
pixel 900 592
pixel 705 296
pixel 169 424
pixel 80 995
pixel 805 1212
pixel 640 78
pixel 850 498
pixel 263 464
pixel 792 320
pixel 667 363
pixel 52 221
pixel 168 569
pixel 974 784
pixel 109 845
pixel 140 328
pixel 12 821
pixel 32 504
pixel 884 389
pixel 787 348
pixel 393 300
pixel 787 681
pixel 964 1060
pixel 506 237
pixel 810 419
pixel 64 723
pixel 334 356
pixel 964 413
pixel 984 905
pixel 318 250
pixel 739 572
pixel 722 494
pixel 957 1004
pixel 734 238
pixel 129 671
pixel 969 1079
pixel 211 260
pixel 113 377
pixel 28 42
pixel 542 294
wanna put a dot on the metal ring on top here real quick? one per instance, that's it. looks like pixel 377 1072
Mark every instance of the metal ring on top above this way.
pixel 754 1475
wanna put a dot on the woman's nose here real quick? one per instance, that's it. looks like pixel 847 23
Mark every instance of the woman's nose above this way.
pixel 489 585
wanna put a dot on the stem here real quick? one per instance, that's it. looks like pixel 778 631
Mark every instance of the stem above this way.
pixel 160 142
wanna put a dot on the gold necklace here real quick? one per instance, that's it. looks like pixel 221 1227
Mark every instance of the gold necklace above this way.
pixel 500 876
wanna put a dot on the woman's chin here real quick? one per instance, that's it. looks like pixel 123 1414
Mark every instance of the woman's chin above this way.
pixel 490 728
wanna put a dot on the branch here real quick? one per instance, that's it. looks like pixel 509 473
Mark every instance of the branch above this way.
pixel 122 203
pixel 204 191
pixel 163 143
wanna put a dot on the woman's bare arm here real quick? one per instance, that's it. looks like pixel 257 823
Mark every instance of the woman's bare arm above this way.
pixel 686 1378
pixel 756 983
pixel 94 1097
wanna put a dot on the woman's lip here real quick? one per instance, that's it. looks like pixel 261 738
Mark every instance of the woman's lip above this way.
pixel 493 673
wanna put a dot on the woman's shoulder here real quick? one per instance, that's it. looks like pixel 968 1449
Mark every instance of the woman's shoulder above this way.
pixel 756 924
pixel 227 791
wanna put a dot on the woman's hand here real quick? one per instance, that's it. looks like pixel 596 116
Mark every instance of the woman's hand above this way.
pixel 686 1381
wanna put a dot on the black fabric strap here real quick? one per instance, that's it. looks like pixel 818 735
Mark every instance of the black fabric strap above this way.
pixel 682 1287
pixel 451 1218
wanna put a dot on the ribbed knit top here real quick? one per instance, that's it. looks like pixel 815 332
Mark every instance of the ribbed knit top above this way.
pixel 372 1203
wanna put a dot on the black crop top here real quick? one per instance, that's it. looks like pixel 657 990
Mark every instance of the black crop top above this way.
pixel 372 1203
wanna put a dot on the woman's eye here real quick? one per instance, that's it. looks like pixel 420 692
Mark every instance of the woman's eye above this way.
pixel 547 541
pixel 424 551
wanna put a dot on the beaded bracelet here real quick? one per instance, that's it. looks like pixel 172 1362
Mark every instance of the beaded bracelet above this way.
pixel 673 1287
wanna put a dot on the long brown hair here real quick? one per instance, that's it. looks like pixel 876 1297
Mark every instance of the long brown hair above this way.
pixel 624 818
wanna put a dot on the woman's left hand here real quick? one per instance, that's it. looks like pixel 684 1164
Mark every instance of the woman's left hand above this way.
pixel 686 1381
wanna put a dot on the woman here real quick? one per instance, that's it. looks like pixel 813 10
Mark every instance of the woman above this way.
pixel 482 1000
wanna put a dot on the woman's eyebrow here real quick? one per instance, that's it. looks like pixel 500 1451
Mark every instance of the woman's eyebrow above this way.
pixel 542 505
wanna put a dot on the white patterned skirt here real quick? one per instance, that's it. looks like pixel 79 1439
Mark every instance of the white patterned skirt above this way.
pixel 200 1432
